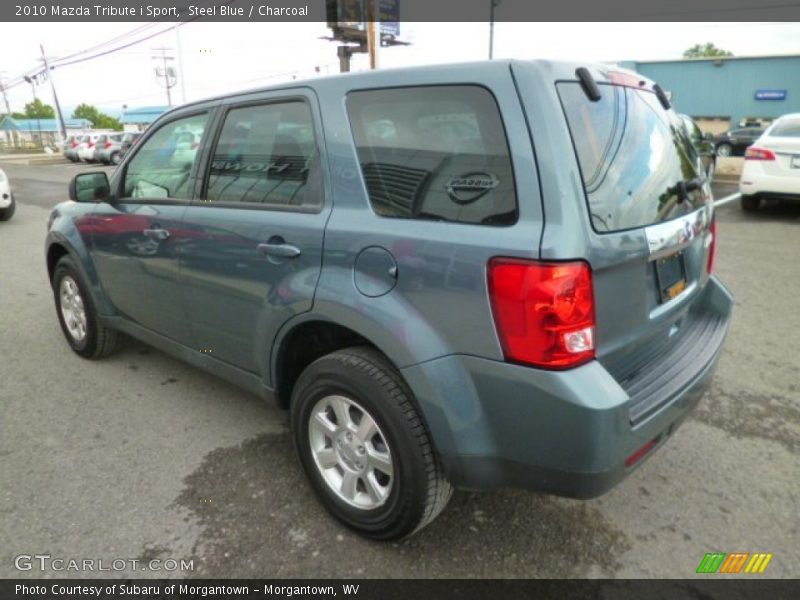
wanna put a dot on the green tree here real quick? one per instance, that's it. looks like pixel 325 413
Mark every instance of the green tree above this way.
pixel 705 50
pixel 99 120
pixel 36 110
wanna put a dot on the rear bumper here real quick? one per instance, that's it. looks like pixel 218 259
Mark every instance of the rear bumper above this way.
pixel 568 433
pixel 755 181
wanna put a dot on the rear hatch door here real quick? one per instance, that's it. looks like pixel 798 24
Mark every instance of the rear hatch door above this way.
pixel 647 218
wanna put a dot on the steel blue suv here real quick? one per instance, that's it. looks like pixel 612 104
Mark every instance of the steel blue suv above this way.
pixel 469 276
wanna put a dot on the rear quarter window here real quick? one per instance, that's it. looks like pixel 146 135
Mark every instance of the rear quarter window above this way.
pixel 786 128
pixel 434 153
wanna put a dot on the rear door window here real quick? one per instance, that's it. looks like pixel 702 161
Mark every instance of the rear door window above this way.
pixel 434 153
pixel 266 155
pixel 635 157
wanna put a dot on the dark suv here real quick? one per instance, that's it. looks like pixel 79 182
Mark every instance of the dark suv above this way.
pixel 462 276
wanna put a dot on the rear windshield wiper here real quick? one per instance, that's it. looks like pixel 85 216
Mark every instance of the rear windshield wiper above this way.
pixel 683 188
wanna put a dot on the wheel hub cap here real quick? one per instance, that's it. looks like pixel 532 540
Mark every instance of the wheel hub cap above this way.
pixel 351 452
pixel 72 309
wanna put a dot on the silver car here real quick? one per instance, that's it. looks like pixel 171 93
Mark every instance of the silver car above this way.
pixel 108 149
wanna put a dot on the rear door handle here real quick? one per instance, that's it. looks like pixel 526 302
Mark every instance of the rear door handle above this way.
pixel 283 250
pixel 156 234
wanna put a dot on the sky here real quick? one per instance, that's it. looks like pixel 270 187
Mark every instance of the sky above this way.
pixel 219 58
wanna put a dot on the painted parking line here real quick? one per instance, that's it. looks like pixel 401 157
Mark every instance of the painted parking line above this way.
pixel 727 199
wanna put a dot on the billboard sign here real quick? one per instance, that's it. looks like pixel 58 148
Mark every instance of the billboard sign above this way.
pixel 349 17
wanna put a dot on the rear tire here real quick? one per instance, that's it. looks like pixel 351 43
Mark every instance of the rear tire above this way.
pixel 398 485
pixel 77 313
pixel 724 150
pixel 750 203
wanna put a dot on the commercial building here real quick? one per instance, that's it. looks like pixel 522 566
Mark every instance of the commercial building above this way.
pixel 137 119
pixel 721 93
pixel 41 131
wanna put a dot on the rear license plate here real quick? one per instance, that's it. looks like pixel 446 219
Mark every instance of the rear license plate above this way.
pixel 796 162
pixel 670 276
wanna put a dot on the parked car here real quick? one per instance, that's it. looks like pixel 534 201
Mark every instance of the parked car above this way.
pixel 71 147
pixel 87 146
pixel 772 164
pixel 108 149
pixel 469 276
pixel 735 141
pixel 7 203
pixel 128 140
pixel 703 145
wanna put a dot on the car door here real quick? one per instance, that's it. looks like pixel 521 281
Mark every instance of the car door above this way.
pixel 137 236
pixel 260 218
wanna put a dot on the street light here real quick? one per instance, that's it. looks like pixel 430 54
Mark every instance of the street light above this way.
pixel 38 120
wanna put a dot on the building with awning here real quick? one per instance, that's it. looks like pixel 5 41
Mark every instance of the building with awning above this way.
pixel 46 131
pixel 137 119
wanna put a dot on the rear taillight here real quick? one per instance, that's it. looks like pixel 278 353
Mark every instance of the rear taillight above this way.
pixel 755 153
pixel 90 145
pixel 712 248
pixel 107 145
pixel 544 312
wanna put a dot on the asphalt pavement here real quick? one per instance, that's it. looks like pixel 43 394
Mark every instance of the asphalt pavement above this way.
pixel 139 456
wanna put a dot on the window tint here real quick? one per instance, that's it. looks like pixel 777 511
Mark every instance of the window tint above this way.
pixel 633 156
pixel 786 128
pixel 161 167
pixel 436 153
pixel 266 155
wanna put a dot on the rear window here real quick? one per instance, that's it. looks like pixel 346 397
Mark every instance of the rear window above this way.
pixel 434 153
pixel 633 156
pixel 786 128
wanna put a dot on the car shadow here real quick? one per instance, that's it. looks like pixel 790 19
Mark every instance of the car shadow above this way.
pixel 259 516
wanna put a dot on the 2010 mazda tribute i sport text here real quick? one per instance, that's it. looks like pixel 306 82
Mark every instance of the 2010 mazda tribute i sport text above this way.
pixel 470 276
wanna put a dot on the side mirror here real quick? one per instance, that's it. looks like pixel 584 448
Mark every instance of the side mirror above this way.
pixel 89 187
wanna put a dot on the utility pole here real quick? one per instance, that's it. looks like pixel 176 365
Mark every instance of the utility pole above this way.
pixel 8 108
pixel 32 81
pixel 55 96
pixel 492 5
pixel 168 73
pixel 181 72
pixel 373 32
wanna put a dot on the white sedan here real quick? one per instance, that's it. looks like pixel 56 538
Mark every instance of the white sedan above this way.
pixel 772 164
pixel 7 204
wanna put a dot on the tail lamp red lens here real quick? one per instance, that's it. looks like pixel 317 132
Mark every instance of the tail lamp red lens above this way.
pixel 712 248
pixel 543 312
pixel 755 153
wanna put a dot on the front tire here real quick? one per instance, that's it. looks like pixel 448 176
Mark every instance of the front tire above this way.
pixel 77 313
pixel 364 446
pixel 750 203
pixel 8 212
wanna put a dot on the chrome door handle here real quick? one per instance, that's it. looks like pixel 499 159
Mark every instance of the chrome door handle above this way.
pixel 156 234
pixel 282 250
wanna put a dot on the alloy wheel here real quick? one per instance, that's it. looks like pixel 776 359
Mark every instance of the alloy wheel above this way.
pixel 72 308
pixel 351 452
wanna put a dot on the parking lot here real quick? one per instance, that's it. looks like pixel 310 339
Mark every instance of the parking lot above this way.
pixel 139 456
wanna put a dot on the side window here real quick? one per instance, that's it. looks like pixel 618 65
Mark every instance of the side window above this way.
pixel 266 154
pixel 435 153
pixel 161 167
